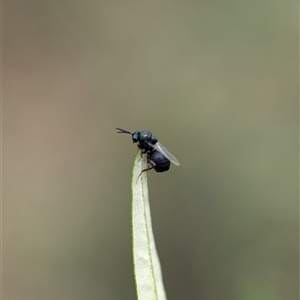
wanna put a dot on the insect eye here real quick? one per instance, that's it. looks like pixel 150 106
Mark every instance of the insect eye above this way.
pixel 135 136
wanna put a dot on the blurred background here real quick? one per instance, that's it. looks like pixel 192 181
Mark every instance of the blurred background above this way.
pixel 215 81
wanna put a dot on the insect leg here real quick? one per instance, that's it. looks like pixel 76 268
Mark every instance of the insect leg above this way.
pixel 148 169
pixel 142 152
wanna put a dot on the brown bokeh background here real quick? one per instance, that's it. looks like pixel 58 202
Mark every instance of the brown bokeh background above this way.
pixel 216 81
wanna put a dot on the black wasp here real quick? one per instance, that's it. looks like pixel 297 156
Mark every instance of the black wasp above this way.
pixel 157 155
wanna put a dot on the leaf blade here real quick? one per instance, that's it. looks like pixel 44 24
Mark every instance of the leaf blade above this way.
pixel 147 270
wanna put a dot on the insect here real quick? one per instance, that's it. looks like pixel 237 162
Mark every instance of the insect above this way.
pixel 158 156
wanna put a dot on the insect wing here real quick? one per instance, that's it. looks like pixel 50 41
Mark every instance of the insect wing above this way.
pixel 160 148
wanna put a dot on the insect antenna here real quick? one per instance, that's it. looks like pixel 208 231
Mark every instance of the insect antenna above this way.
pixel 120 130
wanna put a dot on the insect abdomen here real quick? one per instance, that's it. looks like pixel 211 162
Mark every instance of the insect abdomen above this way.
pixel 159 162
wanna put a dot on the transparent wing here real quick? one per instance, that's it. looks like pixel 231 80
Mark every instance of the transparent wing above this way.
pixel 159 147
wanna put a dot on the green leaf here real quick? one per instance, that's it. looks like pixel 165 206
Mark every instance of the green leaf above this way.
pixel 147 271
